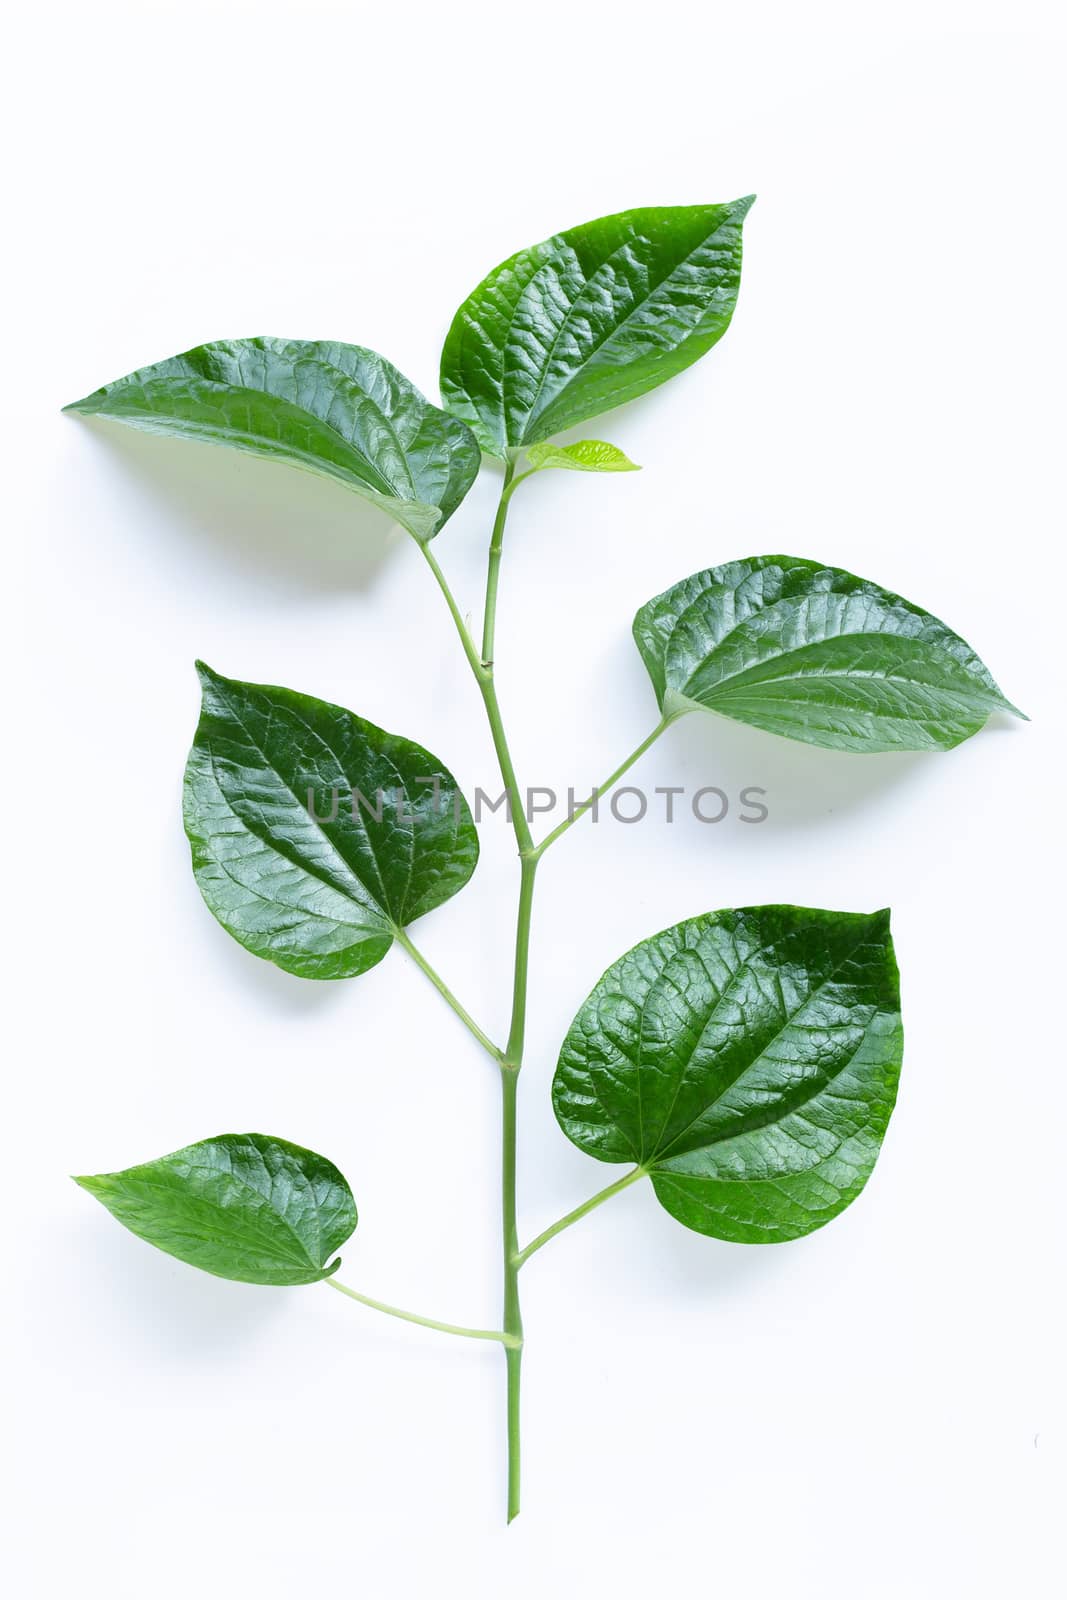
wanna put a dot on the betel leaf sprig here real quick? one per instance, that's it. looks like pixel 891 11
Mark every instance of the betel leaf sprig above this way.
pixel 745 1062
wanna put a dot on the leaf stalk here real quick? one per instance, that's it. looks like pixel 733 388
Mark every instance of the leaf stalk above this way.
pixel 496 548
pixel 502 1337
pixel 577 1214
pixel 446 994
pixel 608 784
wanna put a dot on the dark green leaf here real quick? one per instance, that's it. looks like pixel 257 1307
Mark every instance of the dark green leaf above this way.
pixel 321 895
pixel 590 318
pixel 747 1060
pixel 587 455
pixel 816 654
pixel 242 1206
pixel 334 408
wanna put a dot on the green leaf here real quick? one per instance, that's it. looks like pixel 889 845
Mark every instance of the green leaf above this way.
pixel 747 1061
pixel 322 895
pixel 815 654
pixel 333 408
pixel 587 455
pixel 591 318
pixel 242 1206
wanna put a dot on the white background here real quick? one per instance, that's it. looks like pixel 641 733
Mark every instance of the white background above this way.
pixel 874 1412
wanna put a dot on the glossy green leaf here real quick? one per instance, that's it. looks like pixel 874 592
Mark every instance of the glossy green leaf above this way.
pixel 242 1206
pixel 591 318
pixel 317 837
pixel 333 408
pixel 587 455
pixel 747 1061
pixel 815 654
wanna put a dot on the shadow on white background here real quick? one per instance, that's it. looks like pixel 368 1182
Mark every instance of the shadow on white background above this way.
pixel 271 525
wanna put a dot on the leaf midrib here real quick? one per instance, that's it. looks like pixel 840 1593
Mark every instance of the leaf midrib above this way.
pixel 312 351
pixel 587 360
pixel 736 680
pixel 661 1152
pixel 351 383
pixel 270 447
pixel 302 1259
pixel 283 782
pixel 302 911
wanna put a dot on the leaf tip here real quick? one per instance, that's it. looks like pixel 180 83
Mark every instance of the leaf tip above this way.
pixel 89 403
pixel 878 923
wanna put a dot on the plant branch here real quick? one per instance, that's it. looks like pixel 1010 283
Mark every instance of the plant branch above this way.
pixel 578 1213
pixel 605 787
pixel 483 674
pixel 509 1083
pixel 505 1339
pixel 445 992
pixel 516 808
pixel 511 1062
pixel 513 1051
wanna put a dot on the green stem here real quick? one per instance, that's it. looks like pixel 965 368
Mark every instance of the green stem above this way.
pixel 578 1213
pixel 605 787
pixel 504 1338
pixel 516 809
pixel 482 668
pixel 483 674
pixel 509 1083
pixel 513 1050
pixel 446 993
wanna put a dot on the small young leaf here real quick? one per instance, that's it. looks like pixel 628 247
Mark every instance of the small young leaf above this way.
pixel 317 837
pixel 334 408
pixel 748 1061
pixel 590 318
pixel 242 1206
pixel 587 455
pixel 815 654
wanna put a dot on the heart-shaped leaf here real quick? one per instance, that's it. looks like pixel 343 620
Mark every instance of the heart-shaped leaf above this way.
pixel 816 654
pixel 317 837
pixel 242 1206
pixel 747 1061
pixel 587 455
pixel 590 318
pixel 334 408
